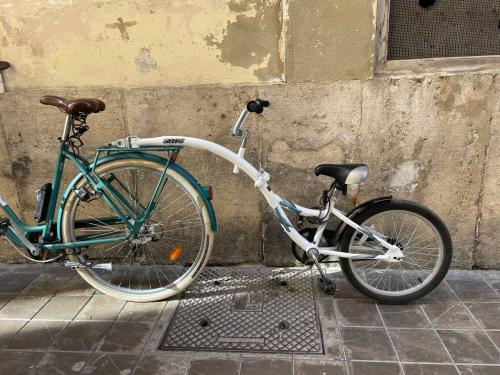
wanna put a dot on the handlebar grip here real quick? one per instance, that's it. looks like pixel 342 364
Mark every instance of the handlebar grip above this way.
pixel 257 105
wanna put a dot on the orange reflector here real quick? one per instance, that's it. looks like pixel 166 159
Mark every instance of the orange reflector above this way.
pixel 175 253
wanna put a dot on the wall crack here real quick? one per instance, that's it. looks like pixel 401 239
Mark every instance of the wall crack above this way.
pixel 479 201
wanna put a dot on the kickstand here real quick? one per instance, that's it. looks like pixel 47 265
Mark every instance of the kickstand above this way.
pixel 326 285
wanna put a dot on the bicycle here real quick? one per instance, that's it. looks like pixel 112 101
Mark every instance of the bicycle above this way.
pixel 137 226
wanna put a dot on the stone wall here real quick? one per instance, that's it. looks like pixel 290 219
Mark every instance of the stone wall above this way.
pixel 433 140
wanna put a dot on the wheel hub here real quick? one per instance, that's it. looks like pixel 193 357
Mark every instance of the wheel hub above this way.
pixel 148 233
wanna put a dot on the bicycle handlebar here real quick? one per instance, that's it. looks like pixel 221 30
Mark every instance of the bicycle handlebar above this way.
pixel 257 105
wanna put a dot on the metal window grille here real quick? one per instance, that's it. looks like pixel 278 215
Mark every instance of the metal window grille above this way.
pixel 448 28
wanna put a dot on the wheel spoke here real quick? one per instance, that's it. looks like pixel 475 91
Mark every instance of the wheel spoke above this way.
pixel 165 249
pixel 418 240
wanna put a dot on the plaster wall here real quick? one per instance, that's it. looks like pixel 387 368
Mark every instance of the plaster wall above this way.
pixel 132 43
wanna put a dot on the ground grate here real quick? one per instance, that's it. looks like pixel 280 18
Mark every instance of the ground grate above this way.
pixel 247 310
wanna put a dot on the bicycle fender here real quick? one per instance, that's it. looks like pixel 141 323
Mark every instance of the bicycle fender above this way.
pixel 147 156
pixel 358 210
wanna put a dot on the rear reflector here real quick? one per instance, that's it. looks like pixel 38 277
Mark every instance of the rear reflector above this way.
pixel 175 253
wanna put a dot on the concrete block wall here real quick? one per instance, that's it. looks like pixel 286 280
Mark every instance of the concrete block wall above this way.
pixel 430 139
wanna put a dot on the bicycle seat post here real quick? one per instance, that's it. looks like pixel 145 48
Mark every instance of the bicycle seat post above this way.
pixel 67 127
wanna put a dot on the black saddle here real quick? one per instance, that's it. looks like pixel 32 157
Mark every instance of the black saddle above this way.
pixel 346 174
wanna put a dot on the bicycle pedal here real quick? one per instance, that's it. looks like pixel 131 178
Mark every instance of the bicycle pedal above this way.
pixel 327 286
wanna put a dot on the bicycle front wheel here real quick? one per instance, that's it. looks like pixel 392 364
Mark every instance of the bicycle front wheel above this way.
pixel 422 237
pixel 170 250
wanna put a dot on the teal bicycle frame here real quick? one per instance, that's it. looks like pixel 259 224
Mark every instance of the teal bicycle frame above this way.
pixel 125 213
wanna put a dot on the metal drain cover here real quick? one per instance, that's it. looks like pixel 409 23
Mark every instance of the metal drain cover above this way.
pixel 247 309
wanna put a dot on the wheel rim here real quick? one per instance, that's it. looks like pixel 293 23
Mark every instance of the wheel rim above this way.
pixel 171 246
pixel 419 241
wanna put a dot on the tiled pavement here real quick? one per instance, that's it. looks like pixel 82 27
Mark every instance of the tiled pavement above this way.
pixel 51 322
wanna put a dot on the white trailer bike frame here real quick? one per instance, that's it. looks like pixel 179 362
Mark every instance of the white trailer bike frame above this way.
pixel 392 254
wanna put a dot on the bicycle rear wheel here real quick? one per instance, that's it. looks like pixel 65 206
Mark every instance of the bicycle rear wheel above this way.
pixel 422 237
pixel 171 249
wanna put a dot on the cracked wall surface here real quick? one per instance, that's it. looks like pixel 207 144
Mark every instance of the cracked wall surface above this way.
pixel 431 139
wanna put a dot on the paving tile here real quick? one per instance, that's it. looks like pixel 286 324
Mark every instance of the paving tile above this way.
pixel 210 366
pixel 331 335
pixel 465 275
pixel 14 283
pixel 169 310
pixel 490 274
pixel 474 290
pixel 282 356
pixel 82 336
pixel 62 308
pixel 56 269
pixel 495 337
pixel 150 311
pixel 428 369
pixel 14 268
pixel 76 286
pixel 345 290
pixel 495 284
pixel 126 337
pixel 357 313
pixel 443 293
pixel 156 337
pixel 110 364
pixel 478 370
pixel 23 307
pixel 449 315
pixel 487 314
pixel 319 367
pixel 61 363
pixel 101 307
pixel 37 334
pixel 170 363
pixel 44 285
pixel 470 346
pixel 374 368
pixel 8 329
pixel 419 346
pixel 18 363
pixel 367 344
pixel 404 316
pixel 5 299
pixel 265 366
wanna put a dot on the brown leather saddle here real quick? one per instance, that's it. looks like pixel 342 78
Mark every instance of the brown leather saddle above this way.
pixel 73 106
